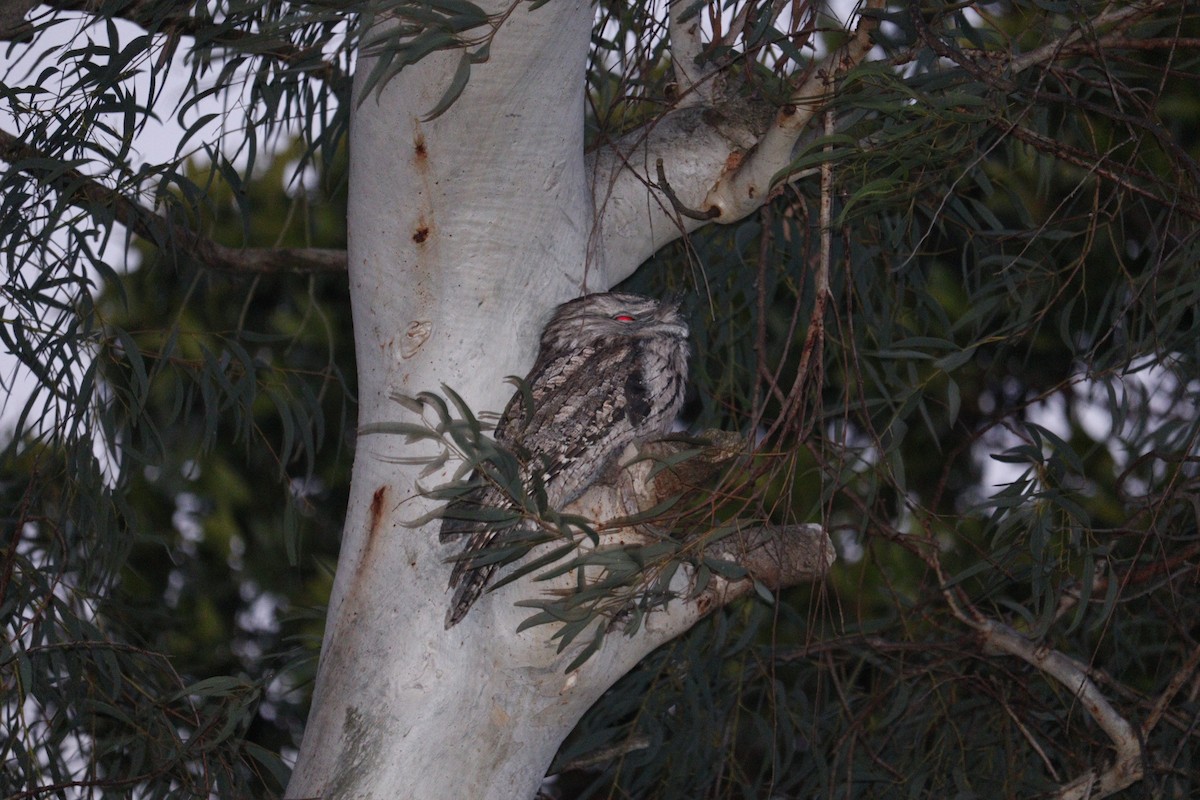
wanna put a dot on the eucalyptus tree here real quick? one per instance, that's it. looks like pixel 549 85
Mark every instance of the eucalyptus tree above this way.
pixel 913 243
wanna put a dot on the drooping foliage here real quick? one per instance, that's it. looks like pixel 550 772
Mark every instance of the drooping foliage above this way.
pixel 995 413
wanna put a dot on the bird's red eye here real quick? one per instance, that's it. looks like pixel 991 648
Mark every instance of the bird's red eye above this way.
pixel 623 318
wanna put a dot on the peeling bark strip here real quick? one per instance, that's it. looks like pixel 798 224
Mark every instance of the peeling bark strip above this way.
pixel 374 525
pixel 415 335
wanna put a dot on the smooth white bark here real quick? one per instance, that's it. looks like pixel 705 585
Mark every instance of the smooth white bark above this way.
pixel 464 231
pixel 635 217
pixel 721 158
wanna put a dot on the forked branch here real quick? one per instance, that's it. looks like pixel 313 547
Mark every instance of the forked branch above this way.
pixel 1128 765
pixel 743 189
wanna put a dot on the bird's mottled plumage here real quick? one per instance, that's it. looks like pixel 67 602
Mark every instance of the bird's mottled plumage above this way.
pixel 610 371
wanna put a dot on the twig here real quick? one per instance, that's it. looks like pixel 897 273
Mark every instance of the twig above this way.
pixel 95 198
pixel 1119 17
pixel 676 203
pixel 1029 737
pixel 814 341
pixel 826 218
pixel 1177 682
pixel 147 16
pixel 606 754
pixel 1186 204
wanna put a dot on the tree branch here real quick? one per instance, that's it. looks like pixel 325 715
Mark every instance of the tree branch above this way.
pixel 148 15
pixel 775 556
pixel 1120 17
pixel 1102 166
pixel 721 163
pixel 814 340
pixel 744 188
pixel 99 200
pixel 1128 766
pixel 634 214
pixel 686 48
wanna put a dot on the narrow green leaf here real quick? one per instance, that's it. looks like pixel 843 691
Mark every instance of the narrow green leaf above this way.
pixel 462 73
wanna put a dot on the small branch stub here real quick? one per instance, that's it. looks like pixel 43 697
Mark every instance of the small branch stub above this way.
pixel 772 556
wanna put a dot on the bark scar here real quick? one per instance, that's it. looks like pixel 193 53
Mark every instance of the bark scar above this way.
pixel 415 335
pixel 376 513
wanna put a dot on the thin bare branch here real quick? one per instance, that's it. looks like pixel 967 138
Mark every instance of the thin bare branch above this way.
pixel 605 754
pixel 1178 680
pixel 95 198
pixel 1119 174
pixel 1120 16
pixel 1127 767
pixel 148 15
pixel 665 187
pixel 814 340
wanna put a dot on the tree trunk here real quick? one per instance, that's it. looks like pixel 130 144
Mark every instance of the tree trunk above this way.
pixel 464 232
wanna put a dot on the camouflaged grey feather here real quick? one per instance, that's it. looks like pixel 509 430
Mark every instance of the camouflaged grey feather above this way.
pixel 611 370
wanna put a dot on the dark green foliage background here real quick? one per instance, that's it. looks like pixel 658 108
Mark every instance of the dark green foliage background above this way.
pixel 1003 244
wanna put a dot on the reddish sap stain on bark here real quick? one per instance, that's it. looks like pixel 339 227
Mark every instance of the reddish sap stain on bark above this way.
pixel 376 510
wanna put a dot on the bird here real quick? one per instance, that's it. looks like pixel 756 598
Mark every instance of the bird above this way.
pixel 611 371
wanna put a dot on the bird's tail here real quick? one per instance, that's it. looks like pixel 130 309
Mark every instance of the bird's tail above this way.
pixel 468 583
pixel 467 579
